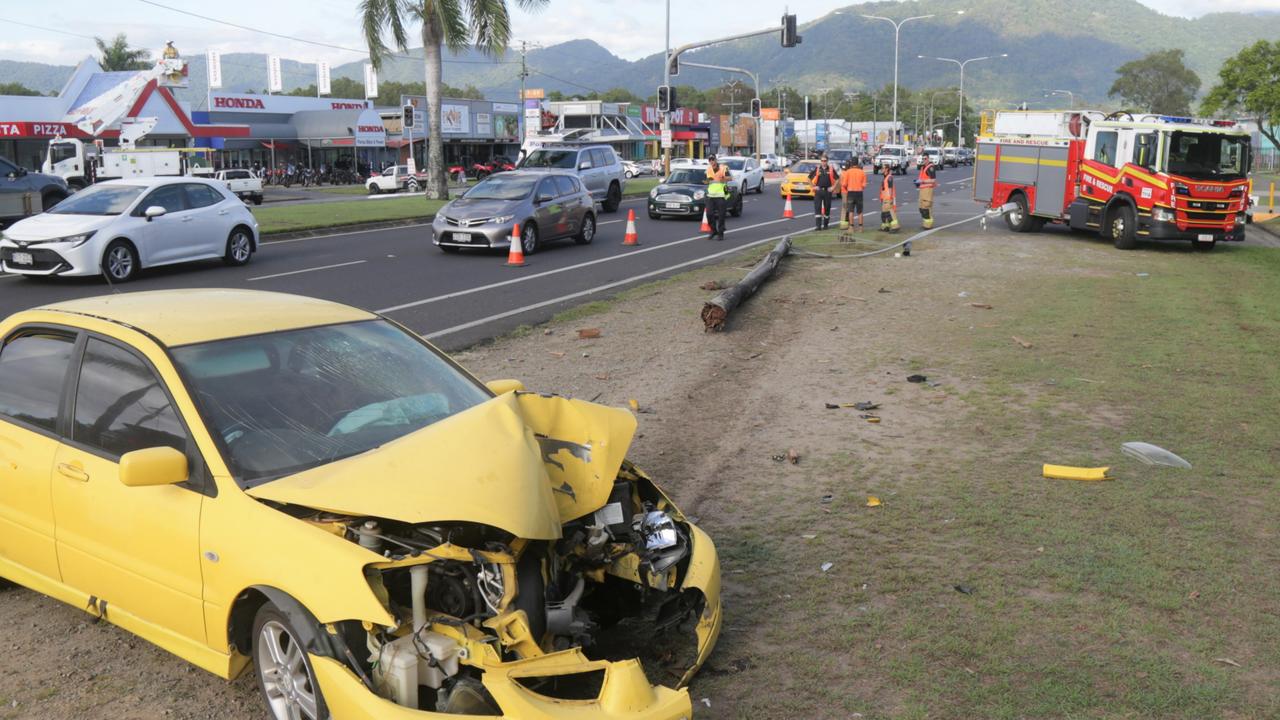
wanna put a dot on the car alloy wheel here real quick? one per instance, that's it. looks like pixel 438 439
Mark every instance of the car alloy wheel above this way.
pixel 588 231
pixel 286 680
pixel 529 238
pixel 239 247
pixel 120 262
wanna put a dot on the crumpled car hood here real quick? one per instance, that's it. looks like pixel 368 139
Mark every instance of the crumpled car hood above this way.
pixel 523 463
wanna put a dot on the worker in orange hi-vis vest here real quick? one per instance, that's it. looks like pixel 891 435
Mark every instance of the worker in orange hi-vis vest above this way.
pixel 927 181
pixel 853 181
pixel 888 201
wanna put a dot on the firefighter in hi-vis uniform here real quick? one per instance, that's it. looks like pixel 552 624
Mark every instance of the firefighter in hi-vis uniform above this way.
pixel 927 181
pixel 888 200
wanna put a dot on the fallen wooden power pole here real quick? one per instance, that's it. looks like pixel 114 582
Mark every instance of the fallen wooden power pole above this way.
pixel 716 312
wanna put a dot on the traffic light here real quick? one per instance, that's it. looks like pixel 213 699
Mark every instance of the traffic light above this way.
pixel 407 120
pixel 755 107
pixel 666 98
pixel 673 65
pixel 789 36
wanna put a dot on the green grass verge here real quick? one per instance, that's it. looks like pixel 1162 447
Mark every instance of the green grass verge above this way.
pixel 638 187
pixel 292 218
pixel 341 190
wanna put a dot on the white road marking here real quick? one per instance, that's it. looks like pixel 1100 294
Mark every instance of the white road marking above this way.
pixel 955 182
pixel 607 286
pixel 353 232
pixel 307 270
pixel 609 222
pixel 535 276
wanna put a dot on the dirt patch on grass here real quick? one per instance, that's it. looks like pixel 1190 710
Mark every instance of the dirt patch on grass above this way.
pixel 976 588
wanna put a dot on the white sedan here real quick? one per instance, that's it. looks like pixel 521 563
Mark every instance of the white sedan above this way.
pixel 747 172
pixel 636 169
pixel 118 227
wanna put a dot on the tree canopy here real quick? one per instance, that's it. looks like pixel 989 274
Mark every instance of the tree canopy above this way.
pixel 13 88
pixel 1249 84
pixel 117 55
pixel 1159 83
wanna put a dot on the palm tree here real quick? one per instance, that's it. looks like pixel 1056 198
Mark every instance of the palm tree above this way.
pixel 456 24
pixel 119 56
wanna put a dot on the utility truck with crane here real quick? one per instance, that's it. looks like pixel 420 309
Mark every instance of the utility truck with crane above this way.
pixel 82 163
pixel 1127 177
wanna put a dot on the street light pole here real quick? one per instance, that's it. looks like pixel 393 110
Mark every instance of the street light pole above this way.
pixel 962 63
pixel 931 99
pixel 897 31
pixel 1071 96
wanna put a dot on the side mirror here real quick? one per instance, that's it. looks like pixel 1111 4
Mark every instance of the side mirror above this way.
pixel 153 466
pixel 502 387
pixel 584 165
pixel 153 212
pixel 544 198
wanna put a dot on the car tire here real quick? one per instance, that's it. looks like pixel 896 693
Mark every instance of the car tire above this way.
pixel 288 691
pixel 736 210
pixel 1120 228
pixel 120 261
pixel 654 216
pixel 239 247
pixel 529 238
pixel 628 175
pixel 588 231
pixel 1019 220
pixel 760 187
pixel 257 199
pixel 373 190
pixel 613 199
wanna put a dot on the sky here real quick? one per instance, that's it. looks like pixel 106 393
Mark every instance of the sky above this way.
pixel 629 28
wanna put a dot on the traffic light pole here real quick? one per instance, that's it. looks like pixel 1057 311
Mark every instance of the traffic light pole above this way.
pixel 754 79
pixel 674 55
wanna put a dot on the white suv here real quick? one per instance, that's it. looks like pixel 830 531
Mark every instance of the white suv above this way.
pixel 597 167
pixel 897 156
pixel 393 179
pixel 746 171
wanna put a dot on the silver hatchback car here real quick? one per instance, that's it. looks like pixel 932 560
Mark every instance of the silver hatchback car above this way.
pixel 546 205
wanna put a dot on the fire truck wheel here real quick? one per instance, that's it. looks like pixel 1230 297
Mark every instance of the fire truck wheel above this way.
pixel 1019 220
pixel 1204 246
pixel 1120 227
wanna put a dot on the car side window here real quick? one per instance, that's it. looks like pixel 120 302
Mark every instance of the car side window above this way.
pixel 584 158
pixel 7 167
pixel 546 188
pixel 564 185
pixel 33 370
pixel 601 157
pixel 199 196
pixel 170 197
pixel 120 405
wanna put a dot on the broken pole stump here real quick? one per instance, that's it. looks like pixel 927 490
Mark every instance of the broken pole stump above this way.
pixel 716 312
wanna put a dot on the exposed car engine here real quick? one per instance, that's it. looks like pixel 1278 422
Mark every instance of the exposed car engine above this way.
pixel 468 595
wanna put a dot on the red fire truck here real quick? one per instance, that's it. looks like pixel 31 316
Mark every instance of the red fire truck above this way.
pixel 1126 177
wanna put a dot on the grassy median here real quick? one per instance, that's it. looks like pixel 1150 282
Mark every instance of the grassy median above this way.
pixel 312 216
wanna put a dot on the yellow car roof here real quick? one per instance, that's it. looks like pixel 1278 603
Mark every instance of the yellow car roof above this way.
pixel 182 317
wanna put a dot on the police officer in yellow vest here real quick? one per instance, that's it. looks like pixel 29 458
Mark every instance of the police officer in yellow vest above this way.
pixel 717 197
pixel 927 181
pixel 888 200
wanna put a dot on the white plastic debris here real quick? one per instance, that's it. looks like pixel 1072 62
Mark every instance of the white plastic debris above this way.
pixel 827 566
pixel 1153 455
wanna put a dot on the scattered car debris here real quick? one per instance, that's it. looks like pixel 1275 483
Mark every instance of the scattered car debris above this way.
pixel 809 536
pixel 873 501
pixel 716 311
pixel 1227 661
pixel 982 306
pixel 793 457
pixel 1153 455
pixel 548 331
pixel 555 354
pixel 964 293
pixel 588 333
pixel 864 405
pixel 1193 595
pixel 634 404
pixel 870 418
pixel 827 566
pixel 933 384
pixel 963 589
pixel 1067 472
pixel 712 285
pixel 706 701
pixel 1025 345
pixel 828 498
pixel 602 376
pixel 916 378
pixel 885 292
pixel 1144 274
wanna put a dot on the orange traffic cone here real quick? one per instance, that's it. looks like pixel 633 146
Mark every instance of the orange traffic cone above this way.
pixel 787 212
pixel 515 258
pixel 706 226
pixel 631 238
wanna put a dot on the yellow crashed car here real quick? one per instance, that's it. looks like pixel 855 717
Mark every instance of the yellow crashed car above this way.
pixel 796 182
pixel 256 479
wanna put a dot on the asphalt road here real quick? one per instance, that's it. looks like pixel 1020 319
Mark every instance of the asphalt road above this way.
pixel 458 299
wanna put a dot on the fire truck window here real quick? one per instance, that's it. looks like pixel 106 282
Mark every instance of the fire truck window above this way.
pixel 1104 150
pixel 1144 150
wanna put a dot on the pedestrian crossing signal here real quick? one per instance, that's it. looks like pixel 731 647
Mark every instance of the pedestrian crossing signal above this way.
pixel 666 98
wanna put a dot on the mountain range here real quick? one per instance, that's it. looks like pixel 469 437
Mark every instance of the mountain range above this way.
pixel 1050 44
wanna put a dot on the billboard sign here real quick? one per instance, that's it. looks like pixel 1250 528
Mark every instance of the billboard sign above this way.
pixel 275 77
pixel 455 119
pixel 213 66
pixel 324 83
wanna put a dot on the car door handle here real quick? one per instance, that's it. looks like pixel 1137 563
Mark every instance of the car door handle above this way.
pixel 188 219
pixel 223 211
pixel 73 472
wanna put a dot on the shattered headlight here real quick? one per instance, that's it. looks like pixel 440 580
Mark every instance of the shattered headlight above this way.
pixel 657 530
